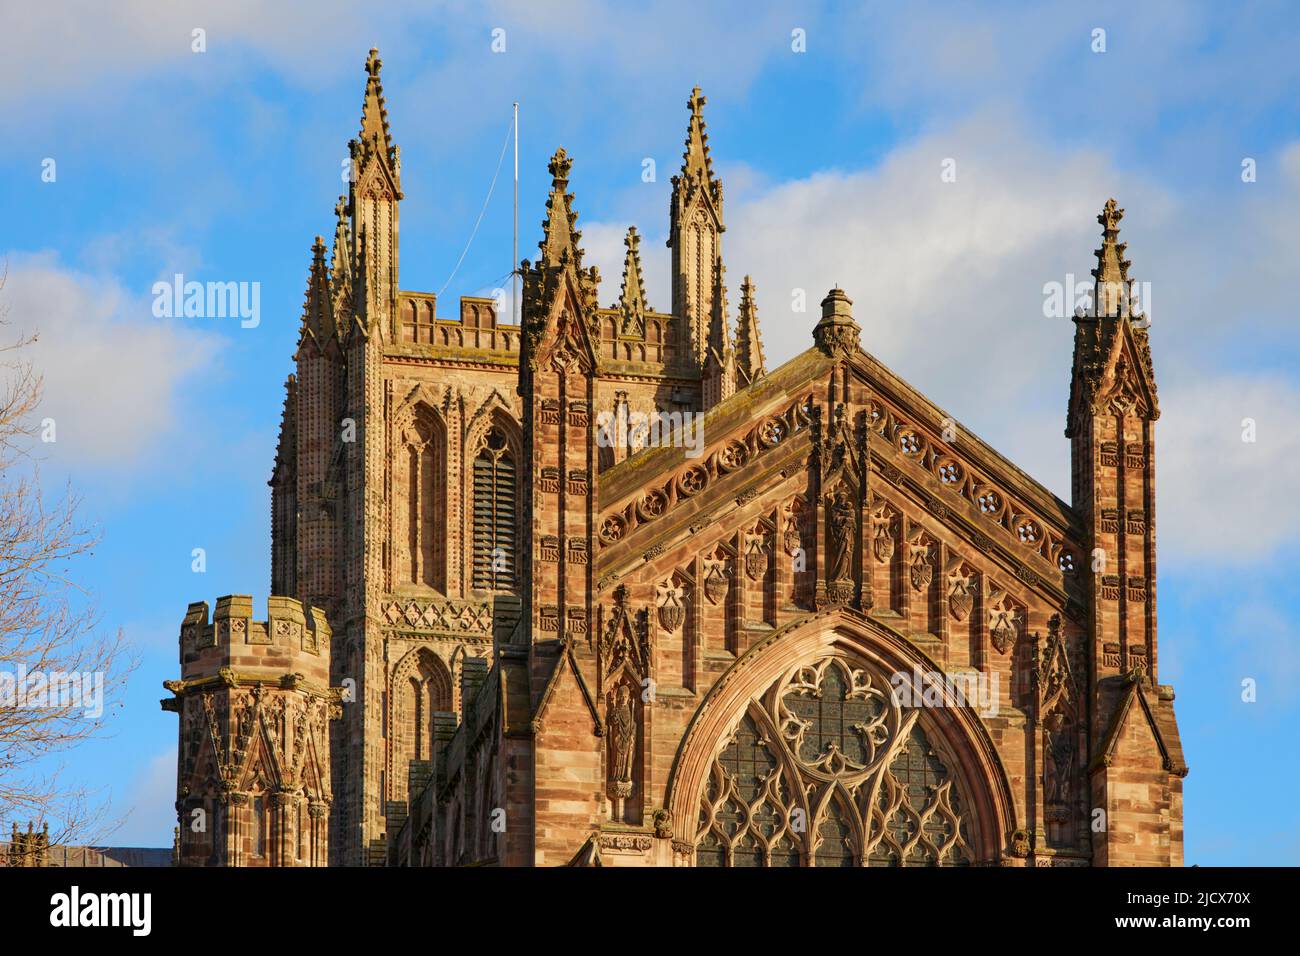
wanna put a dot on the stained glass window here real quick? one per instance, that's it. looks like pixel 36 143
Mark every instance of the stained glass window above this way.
pixel 826 770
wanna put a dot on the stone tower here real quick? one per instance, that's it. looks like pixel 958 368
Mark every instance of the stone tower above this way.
pixel 255 702
pixel 1137 774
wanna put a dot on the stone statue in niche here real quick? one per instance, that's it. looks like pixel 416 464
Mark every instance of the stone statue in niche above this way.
pixel 1060 764
pixel 844 530
pixel 622 743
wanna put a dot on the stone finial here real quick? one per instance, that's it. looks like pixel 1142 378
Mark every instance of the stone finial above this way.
pixel 837 333
pixel 318 302
pixel 750 365
pixel 559 245
pixel 375 138
pixel 719 330
pixel 696 161
pixel 632 299
pixel 1111 292
pixel 340 263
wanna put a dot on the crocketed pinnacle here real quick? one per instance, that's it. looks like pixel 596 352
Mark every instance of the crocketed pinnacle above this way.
pixel 632 300
pixel 750 365
pixel 559 245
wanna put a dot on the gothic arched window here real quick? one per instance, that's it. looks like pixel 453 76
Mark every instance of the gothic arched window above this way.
pixel 494 519
pixel 825 769
pixel 420 508
pixel 420 687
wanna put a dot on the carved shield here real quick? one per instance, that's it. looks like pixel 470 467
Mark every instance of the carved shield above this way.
pixel 715 579
pixel 755 556
pixel 1002 630
pixel 791 539
pixel 960 601
pixel 884 543
pixel 672 612
pixel 922 571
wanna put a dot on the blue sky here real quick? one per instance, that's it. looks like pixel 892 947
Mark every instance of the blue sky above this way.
pixel 224 164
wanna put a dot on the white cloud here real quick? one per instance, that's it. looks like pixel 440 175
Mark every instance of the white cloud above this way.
pixel 1221 498
pixel 947 281
pixel 112 372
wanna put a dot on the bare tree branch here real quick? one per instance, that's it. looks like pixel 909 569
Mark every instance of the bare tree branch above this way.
pixel 59 675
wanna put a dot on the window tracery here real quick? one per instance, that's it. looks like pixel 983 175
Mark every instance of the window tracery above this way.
pixel 420 488
pixel 826 769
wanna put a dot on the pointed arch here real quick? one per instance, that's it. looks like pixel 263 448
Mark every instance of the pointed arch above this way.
pixel 494 455
pixel 420 686
pixel 418 466
pixel 886 784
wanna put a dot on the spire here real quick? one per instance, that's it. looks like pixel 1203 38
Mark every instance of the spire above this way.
pixel 696 178
pixel 1112 287
pixel 696 162
pixel 560 239
pixel 750 365
pixel 340 266
pixel 340 261
pixel 719 331
pixel 632 299
pixel 1112 347
pixel 837 333
pixel 720 363
pixel 695 234
pixel 375 140
pixel 318 309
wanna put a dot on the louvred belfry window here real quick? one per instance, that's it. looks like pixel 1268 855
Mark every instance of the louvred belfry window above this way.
pixel 494 515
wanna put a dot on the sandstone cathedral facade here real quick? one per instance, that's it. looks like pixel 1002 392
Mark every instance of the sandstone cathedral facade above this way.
pixel 839 630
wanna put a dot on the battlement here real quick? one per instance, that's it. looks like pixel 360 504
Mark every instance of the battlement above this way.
pixel 477 327
pixel 293 640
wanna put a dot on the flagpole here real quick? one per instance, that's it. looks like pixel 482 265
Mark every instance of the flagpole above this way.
pixel 514 265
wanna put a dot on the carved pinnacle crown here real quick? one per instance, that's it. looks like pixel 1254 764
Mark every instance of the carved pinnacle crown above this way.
pixel 837 333
pixel 1112 268
pixel 697 165
pixel 559 167
pixel 696 160
pixel 632 300
pixel 375 137
pixel 316 315
pixel 560 238
pixel 750 364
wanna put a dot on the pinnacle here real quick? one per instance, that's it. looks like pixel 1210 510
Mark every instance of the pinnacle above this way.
pixel 375 135
pixel 632 300
pixel 750 364
pixel 719 332
pixel 696 161
pixel 837 333
pixel 1112 268
pixel 559 243
pixel 316 302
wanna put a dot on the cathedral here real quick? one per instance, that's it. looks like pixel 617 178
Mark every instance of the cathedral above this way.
pixel 601 588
